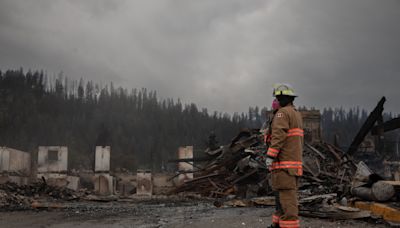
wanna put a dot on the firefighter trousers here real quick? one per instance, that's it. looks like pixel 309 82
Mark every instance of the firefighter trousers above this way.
pixel 285 185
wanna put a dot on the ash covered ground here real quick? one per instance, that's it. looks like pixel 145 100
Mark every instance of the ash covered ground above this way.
pixel 159 213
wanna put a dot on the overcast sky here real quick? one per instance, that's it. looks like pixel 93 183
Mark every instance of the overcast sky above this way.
pixel 221 54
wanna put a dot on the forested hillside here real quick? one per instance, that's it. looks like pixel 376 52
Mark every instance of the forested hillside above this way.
pixel 346 123
pixel 143 130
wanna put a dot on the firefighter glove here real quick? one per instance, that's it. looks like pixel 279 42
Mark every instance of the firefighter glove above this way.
pixel 268 161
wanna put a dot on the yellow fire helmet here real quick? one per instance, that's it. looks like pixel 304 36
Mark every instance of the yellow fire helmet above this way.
pixel 283 89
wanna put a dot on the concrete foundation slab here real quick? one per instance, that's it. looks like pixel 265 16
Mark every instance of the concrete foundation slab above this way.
pixel 126 188
pixel 14 161
pixel 73 182
pixel 185 153
pixel 102 162
pixel 104 184
pixel 52 159
pixel 144 183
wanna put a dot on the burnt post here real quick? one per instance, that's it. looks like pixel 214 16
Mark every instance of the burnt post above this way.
pixel 367 126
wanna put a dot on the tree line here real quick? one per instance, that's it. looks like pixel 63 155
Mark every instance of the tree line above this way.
pixel 143 130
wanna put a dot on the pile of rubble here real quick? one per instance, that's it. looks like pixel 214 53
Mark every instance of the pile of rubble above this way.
pixel 332 181
pixel 237 170
pixel 235 175
pixel 232 169
pixel 20 197
pixel 327 169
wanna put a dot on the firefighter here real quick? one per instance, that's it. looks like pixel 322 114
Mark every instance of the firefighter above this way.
pixel 284 157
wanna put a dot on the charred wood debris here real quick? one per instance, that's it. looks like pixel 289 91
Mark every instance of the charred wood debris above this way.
pixel 238 169
pixel 235 174
pixel 24 197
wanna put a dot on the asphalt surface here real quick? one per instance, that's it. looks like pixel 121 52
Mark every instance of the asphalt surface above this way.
pixel 157 214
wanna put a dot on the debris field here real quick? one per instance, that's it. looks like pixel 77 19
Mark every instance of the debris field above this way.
pixel 335 186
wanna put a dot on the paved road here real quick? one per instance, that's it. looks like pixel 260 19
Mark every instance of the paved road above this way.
pixel 158 215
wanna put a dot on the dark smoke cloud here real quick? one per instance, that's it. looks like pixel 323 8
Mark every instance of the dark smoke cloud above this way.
pixel 224 55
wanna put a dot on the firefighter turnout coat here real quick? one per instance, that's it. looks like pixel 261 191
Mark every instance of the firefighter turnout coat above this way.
pixel 286 145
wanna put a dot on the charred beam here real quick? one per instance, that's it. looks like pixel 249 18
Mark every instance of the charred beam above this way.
pixel 387 126
pixel 367 126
